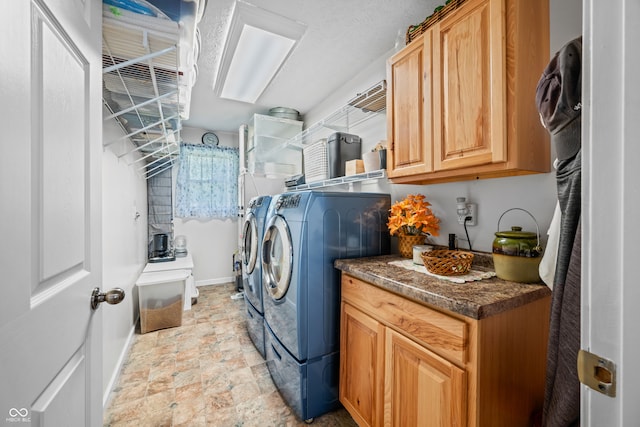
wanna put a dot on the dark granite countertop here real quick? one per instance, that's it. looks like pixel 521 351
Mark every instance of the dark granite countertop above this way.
pixel 477 299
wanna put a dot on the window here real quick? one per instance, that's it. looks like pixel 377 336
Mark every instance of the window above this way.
pixel 207 182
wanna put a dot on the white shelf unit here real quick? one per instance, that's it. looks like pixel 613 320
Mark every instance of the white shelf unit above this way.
pixel 149 68
pixel 276 145
pixel 267 152
pixel 351 179
pixel 357 111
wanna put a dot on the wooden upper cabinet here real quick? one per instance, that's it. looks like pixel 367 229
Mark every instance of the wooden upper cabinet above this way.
pixel 480 68
pixel 409 109
pixel 469 98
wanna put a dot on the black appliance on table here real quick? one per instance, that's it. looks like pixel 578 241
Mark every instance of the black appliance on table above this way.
pixel 160 250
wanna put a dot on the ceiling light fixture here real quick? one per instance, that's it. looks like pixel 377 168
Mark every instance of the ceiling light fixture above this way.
pixel 257 45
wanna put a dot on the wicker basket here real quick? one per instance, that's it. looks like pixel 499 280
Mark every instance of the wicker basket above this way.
pixel 407 242
pixel 439 12
pixel 446 262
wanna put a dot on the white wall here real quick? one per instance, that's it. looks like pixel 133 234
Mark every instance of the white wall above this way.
pixel 535 193
pixel 124 250
pixel 211 243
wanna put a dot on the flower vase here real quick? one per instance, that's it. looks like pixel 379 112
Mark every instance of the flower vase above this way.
pixel 407 242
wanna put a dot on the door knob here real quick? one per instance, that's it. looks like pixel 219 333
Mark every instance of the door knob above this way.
pixel 113 296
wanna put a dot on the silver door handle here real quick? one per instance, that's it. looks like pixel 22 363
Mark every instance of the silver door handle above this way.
pixel 113 296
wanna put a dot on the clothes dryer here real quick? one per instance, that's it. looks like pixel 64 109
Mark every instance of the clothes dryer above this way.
pixel 305 233
pixel 253 230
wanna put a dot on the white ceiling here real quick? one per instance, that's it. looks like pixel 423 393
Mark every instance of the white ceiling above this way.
pixel 342 37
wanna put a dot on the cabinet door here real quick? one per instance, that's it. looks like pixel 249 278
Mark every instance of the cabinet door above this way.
pixel 421 388
pixel 361 366
pixel 409 109
pixel 469 87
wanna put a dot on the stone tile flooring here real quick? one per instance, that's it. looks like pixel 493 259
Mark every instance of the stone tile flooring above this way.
pixel 203 373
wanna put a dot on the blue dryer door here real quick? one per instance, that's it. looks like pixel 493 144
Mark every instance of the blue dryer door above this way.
pixel 250 243
pixel 277 257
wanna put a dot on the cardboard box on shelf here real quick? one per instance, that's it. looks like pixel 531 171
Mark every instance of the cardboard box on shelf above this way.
pixel 353 167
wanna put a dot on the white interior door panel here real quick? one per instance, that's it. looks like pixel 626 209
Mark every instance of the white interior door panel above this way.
pixel 50 343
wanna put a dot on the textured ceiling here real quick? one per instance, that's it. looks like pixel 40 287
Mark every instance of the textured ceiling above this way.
pixel 342 38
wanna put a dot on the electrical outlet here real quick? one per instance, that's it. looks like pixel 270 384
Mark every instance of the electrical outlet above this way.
pixel 472 211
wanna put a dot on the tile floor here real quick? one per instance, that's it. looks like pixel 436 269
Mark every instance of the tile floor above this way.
pixel 203 373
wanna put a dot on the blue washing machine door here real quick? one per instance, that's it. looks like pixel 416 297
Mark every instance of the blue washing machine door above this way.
pixel 277 258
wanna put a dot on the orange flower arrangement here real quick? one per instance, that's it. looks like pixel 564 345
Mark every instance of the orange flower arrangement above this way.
pixel 412 216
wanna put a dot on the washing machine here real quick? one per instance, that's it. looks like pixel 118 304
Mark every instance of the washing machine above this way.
pixel 253 230
pixel 305 233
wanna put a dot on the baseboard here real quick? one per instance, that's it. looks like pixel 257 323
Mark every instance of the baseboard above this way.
pixel 116 372
pixel 219 281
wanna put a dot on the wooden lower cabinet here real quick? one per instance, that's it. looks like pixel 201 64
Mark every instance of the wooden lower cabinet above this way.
pixel 421 388
pixel 405 364
pixel 361 390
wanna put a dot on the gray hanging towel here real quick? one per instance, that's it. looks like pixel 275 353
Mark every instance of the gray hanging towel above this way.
pixel 562 390
pixel 568 181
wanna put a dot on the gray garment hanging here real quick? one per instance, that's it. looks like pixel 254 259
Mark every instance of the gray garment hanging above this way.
pixel 562 389
pixel 568 179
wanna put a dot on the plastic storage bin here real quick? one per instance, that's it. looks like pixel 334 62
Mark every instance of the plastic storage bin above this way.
pixel 342 148
pixel 161 299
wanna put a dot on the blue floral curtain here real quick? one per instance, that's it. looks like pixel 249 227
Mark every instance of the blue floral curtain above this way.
pixel 207 182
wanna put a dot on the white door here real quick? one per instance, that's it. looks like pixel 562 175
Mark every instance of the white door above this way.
pixel 611 202
pixel 50 256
